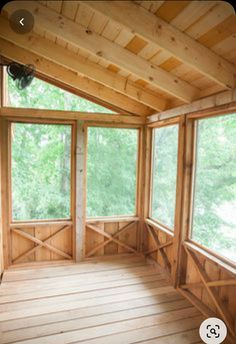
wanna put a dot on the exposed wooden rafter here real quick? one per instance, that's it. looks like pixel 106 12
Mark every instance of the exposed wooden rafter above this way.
pixel 97 45
pixel 166 36
pixel 54 70
pixel 79 64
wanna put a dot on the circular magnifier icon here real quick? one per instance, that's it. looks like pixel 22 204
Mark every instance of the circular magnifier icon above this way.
pixel 213 331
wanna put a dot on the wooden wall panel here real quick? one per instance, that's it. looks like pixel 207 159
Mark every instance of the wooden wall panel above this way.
pixel 129 237
pixel 163 256
pixel 215 272
pixel 111 247
pixel 41 242
pixel 20 245
pixel 95 239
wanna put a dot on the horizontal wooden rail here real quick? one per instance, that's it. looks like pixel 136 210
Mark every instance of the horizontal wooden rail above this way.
pixel 71 115
pixel 159 226
pixel 39 223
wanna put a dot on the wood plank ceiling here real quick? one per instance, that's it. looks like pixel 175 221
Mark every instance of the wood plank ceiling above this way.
pixel 140 56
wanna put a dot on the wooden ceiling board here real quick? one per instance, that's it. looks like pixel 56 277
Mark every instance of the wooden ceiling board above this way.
pixel 55 5
pixel 69 9
pixel 203 83
pixel 111 31
pixel 170 9
pixel 84 15
pixel 98 23
pixel 160 57
pixel 136 45
pixel 219 32
pixel 224 47
pixel 191 13
pixel 151 6
pixel 149 51
pixel 213 17
pixel 170 64
pixel 124 37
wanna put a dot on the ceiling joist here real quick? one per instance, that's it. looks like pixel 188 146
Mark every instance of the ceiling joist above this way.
pixel 79 64
pixel 57 72
pixel 155 30
pixel 99 46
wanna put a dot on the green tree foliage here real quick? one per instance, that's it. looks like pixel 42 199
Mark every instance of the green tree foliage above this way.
pixel 40 171
pixel 214 216
pixel 111 171
pixel 42 95
pixel 165 146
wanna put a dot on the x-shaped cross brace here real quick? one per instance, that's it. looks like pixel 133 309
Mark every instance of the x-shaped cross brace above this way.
pixel 159 247
pixel 41 243
pixel 110 238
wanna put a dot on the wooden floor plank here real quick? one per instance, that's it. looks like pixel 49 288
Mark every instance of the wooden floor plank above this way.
pixel 13 287
pixel 86 322
pixel 78 313
pixel 32 295
pixel 188 337
pixel 87 267
pixel 109 301
pixel 139 335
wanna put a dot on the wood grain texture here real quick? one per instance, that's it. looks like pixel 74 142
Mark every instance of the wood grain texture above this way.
pixel 123 300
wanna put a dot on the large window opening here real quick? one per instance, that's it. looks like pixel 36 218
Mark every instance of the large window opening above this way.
pixel 164 175
pixel 111 171
pixel 42 95
pixel 40 171
pixel 214 201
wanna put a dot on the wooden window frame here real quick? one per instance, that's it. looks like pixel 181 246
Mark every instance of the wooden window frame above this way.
pixel 150 219
pixel 191 125
pixel 72 124
pixel 118 218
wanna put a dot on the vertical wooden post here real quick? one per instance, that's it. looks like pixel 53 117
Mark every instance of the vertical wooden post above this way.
pixel 80 191
pixel 140 189
pixel 4 142
pixel 145 195
pixel 180 275
pixel 1 231
pixel 179 202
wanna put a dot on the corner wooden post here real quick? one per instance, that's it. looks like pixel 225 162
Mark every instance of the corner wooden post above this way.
pixel 177 240
pixel 146 170
pixel 185 218
pixel 80 191
pixel 1 230
pixel 4 142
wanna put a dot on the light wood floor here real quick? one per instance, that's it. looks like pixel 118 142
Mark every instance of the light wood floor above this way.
pixel 116 301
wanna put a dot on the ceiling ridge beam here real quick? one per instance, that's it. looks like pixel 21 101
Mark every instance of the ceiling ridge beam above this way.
pixel 99 46
pixel 54 52
pixel 155 30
